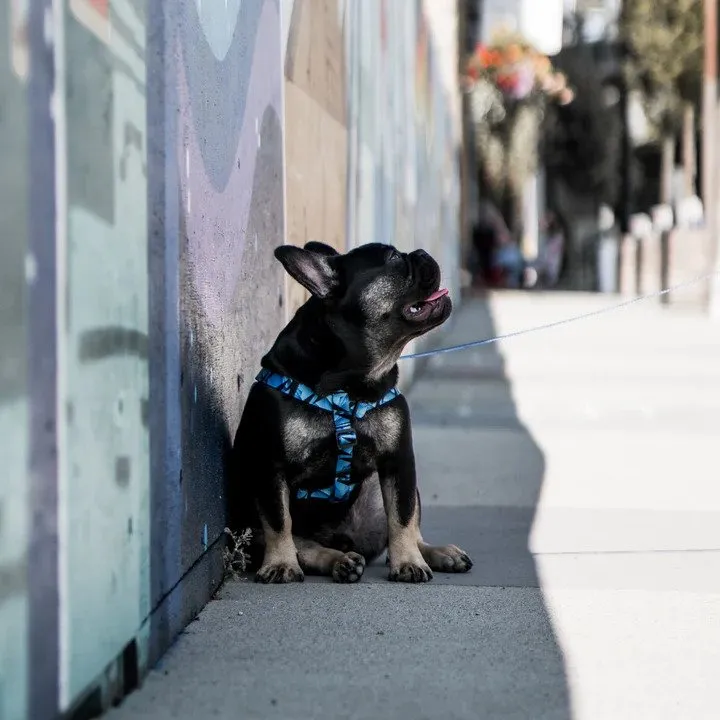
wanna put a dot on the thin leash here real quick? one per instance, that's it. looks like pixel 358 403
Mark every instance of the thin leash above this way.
pixel 565 321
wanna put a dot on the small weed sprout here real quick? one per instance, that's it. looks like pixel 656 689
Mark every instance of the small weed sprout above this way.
pixel 235 557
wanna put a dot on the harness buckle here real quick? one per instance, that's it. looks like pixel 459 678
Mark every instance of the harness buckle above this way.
pixel 345 438
pixel 345 434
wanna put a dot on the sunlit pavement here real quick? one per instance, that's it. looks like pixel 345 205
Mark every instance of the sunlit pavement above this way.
pixel 579 468
pixel 625 410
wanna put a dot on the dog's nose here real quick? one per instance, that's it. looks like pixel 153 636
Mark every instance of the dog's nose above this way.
pixel 427 268
pixel 427 273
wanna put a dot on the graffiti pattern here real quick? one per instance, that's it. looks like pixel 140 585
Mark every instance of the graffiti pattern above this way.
pixel 229 150
pixel 14 269
pixel 184 143
pixel 217 292
pixel 103 468
pixel 403 148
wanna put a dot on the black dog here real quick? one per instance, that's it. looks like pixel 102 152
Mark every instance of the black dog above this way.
pixel 324 447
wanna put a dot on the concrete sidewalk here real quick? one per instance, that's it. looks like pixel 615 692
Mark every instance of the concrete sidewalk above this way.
pixel 586 489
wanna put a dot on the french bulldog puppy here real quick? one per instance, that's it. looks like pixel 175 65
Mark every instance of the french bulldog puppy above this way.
pixel 324 449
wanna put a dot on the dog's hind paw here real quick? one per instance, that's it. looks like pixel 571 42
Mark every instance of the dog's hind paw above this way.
pixel 446 558
pixel 410 572
pixel 279 573
pixel 349 569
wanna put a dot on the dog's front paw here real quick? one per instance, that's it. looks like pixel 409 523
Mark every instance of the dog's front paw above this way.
pixel 410 572
pixel 447 558
pixel 279 573
pixel 349 569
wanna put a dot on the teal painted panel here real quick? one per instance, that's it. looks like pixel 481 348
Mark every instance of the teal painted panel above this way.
pixel 14 264
pixel 14 515
pixel 103 345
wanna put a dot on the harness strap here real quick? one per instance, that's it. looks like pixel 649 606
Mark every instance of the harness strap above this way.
pixel 343 410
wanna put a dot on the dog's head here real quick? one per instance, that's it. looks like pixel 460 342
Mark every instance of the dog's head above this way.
pixel 375 297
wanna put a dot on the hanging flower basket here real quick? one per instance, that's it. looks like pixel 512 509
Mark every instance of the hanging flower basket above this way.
pixel 509 83
pixel 516 71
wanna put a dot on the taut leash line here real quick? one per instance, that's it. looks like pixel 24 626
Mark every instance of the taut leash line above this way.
pixel 565 321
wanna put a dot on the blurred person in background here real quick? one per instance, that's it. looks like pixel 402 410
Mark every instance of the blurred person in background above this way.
pixel 492 245
pixel 509 263
pixel 553 251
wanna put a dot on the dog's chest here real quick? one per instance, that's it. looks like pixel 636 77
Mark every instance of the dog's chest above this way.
pixel 309 438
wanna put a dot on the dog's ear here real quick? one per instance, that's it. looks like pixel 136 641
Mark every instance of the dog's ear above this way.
pixel 311 269
pixel 321 248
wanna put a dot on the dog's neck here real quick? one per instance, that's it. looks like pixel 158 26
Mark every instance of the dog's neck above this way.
pixel 311 352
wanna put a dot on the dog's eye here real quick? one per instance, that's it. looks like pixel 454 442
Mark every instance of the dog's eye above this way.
pixel 394 256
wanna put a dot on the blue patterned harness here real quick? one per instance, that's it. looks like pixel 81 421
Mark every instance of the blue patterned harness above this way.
pixel 343 410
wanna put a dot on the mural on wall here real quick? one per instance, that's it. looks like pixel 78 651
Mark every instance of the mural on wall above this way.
pixel 368 130
pixel 14 275
pixel 103 442
pixel 315 127
pixel 403 185
pixel 229 154
pixel 139 288
pixel 221 302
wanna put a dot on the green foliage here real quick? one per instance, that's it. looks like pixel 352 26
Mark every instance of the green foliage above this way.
pixel 665 44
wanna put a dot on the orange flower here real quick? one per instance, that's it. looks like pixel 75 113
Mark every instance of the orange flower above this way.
pixel 542 65
pixel 494 58
pixel 513 53
pixel 485 55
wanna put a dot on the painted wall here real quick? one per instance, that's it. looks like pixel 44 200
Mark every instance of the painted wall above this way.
pixel 174 146
pixel 372 106
pixel 14 420
pixel 404 131
pixel 102 307
pixel 315 127
pixel 216 297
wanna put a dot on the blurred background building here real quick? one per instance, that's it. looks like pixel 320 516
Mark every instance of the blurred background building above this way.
pixel 627 151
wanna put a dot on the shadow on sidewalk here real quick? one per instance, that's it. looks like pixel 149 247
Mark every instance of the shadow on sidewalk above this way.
pixel 464 646
pixel 480 474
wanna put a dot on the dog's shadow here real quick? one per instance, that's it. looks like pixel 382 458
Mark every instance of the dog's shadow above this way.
pixel 479 469
pixel 480 473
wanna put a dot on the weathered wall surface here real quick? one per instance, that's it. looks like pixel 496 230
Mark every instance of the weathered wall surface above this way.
pixel 14 419
pixel 217 293
pixel 404 135
pixel 174 146
pixel 315 127
pixel 102 306
pixel 373 132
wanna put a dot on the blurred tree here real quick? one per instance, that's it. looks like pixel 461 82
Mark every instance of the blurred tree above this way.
pixel 665 44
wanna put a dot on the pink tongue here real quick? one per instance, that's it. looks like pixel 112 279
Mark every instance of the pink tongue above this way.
pixel 437 295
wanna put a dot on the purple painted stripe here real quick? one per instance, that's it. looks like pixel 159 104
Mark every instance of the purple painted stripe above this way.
pixel 43 590
pixel 216 222
pixel 166 503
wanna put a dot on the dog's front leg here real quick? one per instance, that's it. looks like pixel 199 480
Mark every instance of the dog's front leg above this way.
pixel 280 562
pixel 396 470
